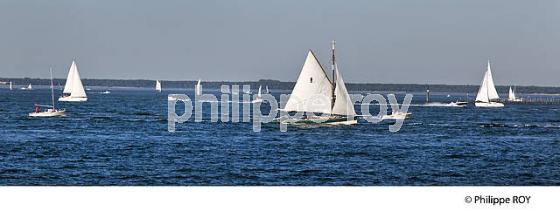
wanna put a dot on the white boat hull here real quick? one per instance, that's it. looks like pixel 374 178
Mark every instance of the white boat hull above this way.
pixel 396 116
pixel 321 121
pixel 72 99
pixel 349 122
pixel 489 105
pixel 458 104
pixel 47 114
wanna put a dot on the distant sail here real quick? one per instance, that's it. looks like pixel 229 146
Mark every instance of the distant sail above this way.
pixel 511 95
pixel 259 94
pixel 487 91
pixel 267 91
pixel 29 87
pixel 198 88
pixel 158 86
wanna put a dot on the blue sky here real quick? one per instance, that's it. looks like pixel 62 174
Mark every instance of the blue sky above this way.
pixel 377 41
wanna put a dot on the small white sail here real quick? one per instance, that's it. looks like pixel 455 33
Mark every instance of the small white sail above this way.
pixel 487 91
pixel 11 88
pixel 511 95
pixel 29 87
pixel 267 91
pixel 158 86
pixel 259 95
pixel 313 89
pixel 343 104
pixel 198 88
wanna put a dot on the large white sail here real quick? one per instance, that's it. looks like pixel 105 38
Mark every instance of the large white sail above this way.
pixel 70 79
pixel 77 86
pixel 73 89
pixel 487 91
pixel 158 86
pixel 343 104
pixel 313 89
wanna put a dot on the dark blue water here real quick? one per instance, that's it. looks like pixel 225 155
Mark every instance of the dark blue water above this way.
pixel 122 139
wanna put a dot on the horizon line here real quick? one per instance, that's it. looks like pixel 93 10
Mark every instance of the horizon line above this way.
pixel 215 81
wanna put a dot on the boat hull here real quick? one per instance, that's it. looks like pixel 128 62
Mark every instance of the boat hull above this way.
pixel 321 121
pixel 47 114
pixel 349 122
pixel 489 105
pixel 459 104
pixel 397 116
pixel 72 99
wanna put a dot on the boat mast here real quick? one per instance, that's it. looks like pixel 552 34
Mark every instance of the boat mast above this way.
pixel 52 89
pixel 428 94
pixel 333 66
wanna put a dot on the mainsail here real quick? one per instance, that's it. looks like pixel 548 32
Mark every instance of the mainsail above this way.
pixel 313 89
pixel 74 86
pixel 487 91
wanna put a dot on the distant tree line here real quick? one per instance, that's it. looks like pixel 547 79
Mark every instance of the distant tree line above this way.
pixel 275 84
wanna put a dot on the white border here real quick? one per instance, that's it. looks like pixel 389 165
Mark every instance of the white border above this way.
pixel 269 198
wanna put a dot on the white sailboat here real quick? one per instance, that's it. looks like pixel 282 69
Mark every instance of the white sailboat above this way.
pixel 29 87
pixel 11 88
pixel 198 88
pixel 487 95
pixel 50 110
pixel 258 98
pixel 512 97
pixel 267 91
pixel 158 86
pixel 314 92
pixel 396 116
pixel 73 89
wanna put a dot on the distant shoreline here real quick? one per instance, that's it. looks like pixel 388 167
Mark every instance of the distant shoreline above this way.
pixel 275 84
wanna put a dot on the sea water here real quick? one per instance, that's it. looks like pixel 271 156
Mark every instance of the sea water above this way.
pixel 122 139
